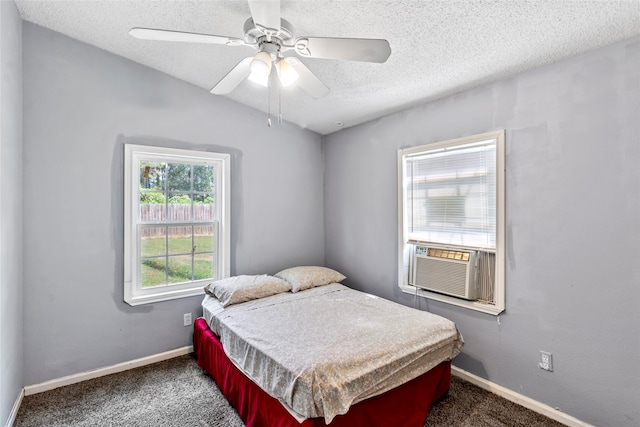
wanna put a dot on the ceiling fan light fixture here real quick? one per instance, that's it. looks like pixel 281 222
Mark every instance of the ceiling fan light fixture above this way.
pixel 286 73
pixel 261 64
pixel 271 35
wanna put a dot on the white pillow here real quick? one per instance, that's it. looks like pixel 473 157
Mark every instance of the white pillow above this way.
pixel 307 277
pixel 237 289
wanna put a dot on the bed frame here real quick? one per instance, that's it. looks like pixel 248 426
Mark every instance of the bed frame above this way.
pixel 404 406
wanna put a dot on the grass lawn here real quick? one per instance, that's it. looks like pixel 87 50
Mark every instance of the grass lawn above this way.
pixel 179 269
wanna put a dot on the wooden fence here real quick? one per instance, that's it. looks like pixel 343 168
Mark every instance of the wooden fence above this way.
pixel 158 213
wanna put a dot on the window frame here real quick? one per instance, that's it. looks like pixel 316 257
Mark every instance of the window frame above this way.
pixel 134 294
pixel 403 241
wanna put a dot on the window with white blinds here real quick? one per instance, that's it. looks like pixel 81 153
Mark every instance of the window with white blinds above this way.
pixel 451 195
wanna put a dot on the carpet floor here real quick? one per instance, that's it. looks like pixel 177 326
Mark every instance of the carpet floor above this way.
pixel 177 392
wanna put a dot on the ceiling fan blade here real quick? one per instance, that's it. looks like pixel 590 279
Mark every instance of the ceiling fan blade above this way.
pixel 366 50
pixel 181 36
pixel 233 78
pixel 307 81
pixel 266 13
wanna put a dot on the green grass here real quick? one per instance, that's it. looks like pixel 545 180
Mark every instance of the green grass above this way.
pixel 177 245
pixel 179 268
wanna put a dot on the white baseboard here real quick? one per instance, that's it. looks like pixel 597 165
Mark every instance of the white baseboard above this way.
pixel 14 410
pixel 108 370
pixel 520 399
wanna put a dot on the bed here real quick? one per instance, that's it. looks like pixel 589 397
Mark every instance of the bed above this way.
pixel 303 350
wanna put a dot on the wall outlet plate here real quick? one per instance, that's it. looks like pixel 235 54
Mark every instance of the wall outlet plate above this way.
pixel 187 319
pixel 546 361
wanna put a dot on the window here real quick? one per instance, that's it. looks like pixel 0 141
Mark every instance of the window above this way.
pixel 451 205
pixel 176 237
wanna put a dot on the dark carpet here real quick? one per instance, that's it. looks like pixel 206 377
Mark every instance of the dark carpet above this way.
pixel 177 392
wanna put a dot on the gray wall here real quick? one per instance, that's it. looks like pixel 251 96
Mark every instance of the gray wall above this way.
pixel 573 227
pixel 11 308
pixel 80 105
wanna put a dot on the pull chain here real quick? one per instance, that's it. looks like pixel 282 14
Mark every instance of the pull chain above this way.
pixel 271 82
pixel 279 103
pixel 269 102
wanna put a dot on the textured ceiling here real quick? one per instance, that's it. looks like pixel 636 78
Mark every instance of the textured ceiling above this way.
pixel 438 47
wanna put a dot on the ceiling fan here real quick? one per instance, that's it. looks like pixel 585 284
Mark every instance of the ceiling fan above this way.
pixel 272 37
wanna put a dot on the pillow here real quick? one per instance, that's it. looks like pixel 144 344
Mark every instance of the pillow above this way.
pixel 307 277
pixel 237 289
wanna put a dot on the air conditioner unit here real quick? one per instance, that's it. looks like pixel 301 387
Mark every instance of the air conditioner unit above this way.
pixel 450 272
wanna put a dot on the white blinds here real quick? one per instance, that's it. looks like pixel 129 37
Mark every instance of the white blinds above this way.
pixel 451 195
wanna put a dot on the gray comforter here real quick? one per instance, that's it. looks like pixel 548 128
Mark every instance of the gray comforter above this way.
pixel 322 350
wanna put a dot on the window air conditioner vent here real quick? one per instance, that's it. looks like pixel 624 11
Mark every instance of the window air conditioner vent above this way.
pixel 450 272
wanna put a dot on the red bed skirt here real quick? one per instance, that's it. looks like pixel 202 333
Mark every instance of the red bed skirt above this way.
pixel 404 406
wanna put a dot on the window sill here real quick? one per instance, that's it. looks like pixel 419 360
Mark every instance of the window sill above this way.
pixel 471 305
pixel 158 296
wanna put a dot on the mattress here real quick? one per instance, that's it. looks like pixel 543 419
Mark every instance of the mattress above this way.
pixel 322 350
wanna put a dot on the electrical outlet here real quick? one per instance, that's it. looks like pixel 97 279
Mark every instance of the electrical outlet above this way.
pixel 546 361
pixel 187 319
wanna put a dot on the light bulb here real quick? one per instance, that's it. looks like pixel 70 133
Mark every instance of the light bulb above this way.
pixel 286 72
pixel 261 80
pixel 261 64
